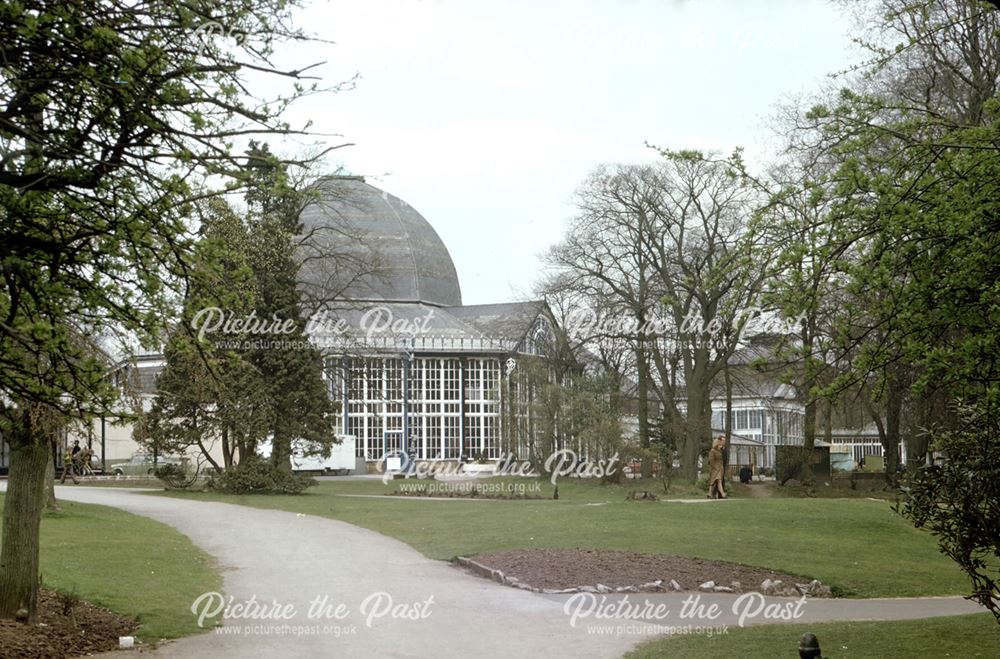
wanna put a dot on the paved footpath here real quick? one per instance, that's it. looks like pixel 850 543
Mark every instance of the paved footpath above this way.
pixel 286 558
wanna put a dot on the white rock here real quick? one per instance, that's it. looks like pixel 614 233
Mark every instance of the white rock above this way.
pixel 708 585
pixel 817 589
pixel 674 586
pixel 723 589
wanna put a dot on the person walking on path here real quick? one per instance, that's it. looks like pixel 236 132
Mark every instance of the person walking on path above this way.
pixel 84 459
pixel 716 469
pixel 69 464
pixel 69 468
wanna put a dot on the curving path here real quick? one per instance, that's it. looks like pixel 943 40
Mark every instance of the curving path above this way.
pixel 292 559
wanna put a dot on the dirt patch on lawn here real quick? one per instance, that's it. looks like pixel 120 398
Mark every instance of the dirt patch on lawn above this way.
pixel 87 629
pixel 572 568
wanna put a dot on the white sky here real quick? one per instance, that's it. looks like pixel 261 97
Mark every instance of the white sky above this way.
pixel 486 115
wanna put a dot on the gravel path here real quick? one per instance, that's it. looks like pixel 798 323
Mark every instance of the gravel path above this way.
pixel 275 557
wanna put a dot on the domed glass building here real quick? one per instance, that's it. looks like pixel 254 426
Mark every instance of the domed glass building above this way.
pixel 364 244
pixel 413 367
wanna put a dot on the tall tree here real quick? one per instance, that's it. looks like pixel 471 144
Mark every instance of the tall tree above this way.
pixel 292 369
pixel 112 112
pixel 801 281
pixel 667 249
pixel 209 394
pixel 916 143
pixel 710 267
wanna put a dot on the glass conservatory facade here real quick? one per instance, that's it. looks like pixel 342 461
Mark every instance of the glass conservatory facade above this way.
pixel 450 408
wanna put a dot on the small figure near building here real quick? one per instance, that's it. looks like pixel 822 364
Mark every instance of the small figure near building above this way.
pixel 716 469
pixel 69 465
pixel 85 462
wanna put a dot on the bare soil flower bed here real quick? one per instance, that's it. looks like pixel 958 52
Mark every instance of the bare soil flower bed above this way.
pixel 557 569
pixel 87 629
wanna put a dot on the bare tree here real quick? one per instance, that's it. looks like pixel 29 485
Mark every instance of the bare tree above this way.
pixel 666 248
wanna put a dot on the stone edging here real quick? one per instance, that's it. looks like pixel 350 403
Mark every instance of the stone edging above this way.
pixel 498 576
pixel 813 589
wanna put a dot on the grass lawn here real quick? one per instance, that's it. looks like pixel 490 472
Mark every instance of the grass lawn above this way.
pixel 857 546
pixel 129 564
pixel 960 636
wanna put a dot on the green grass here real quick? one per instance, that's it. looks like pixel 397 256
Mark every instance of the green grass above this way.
pixel 130 564
pixel 857 546
pixel 959 636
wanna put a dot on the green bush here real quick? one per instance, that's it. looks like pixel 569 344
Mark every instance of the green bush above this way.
pixel 255 475
pixel 174 476
pixel 792 462
pixel 958 499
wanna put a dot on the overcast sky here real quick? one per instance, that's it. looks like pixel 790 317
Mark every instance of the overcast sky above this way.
pixel 486 115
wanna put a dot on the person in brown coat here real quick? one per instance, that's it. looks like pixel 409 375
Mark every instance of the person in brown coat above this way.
pixel 83 462
pixel 716 471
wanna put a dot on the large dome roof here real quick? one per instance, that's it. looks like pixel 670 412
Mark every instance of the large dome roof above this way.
pixel 361 243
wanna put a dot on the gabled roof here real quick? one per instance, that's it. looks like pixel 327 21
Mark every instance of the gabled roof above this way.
pixel 738 439
pixel 508 320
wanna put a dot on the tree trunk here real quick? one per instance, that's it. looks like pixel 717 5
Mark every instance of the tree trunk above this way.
pixel 809 443
pixel 697 435
pixel 828 421
pixel 21 518
pixel 928 414
pixel 50 482
pixel 890 442
pixel 227 453
pixel 808 392
pixel 281 451
pixel 642 407
pixel 727 424
pixel 208 456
